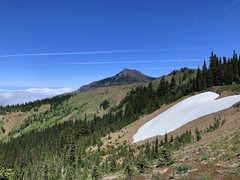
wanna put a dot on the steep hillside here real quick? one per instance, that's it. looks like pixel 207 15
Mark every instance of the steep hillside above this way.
pixel 99 145
pixel 8 121
pixel 183 76
pixel 78 106
pixel 207 157
pixel 127 76
pixel 215 154
pixel 82 105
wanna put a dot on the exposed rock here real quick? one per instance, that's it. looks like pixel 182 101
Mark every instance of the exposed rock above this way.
pixel 127 76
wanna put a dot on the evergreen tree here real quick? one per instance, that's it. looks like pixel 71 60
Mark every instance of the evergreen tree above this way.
pixel 113 164
pixel 225 71
pixel 198 134
pixel 165 158
pixel 213 67
pixel 166 139
pixel 209 78
pixel 17 171
pixel 95 173
pixel 198 82
pixel 235 66
pixel 70 173
pixel 148 150
pixel 173 83
pixel 156 148
pixel 204 75
pixel 161 87
pixel 142 163
pixel 129 170
pixel 71 158
pixel 177 143
pixel 171 139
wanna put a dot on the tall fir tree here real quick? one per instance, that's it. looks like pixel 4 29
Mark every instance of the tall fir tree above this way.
pixel 204 75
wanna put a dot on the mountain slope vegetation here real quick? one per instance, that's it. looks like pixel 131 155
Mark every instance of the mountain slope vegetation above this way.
pixel 23 118
pixel 74 149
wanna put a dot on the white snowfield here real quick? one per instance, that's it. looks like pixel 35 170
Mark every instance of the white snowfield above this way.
pixel 184 112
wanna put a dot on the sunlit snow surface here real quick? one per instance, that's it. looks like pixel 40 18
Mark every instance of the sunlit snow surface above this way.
pixel 184 112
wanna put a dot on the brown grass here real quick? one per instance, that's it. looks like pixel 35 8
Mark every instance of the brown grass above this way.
pixel 13 119
pixel 232 116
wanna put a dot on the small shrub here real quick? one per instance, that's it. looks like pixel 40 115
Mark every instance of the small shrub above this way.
pixel 235 149
pixel 203 177
pixel 236 140
pixel 205 156
pixel 223 122
pixel 236 171
pixel 3 130
pixel 181 169
pixel 217 153
pixel 157 176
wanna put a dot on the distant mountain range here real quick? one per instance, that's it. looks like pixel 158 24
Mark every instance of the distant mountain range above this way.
pixel 126 76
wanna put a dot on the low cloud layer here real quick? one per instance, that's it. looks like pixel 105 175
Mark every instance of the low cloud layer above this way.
pixel 10 97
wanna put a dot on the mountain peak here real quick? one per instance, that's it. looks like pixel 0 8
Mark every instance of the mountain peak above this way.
pixel 125 70
pixel 133 73
pixel 126 76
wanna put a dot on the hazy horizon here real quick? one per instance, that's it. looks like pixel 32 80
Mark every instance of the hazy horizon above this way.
pixel 13 97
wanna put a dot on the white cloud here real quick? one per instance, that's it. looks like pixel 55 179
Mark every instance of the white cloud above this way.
pixel 10 97
pixel 235 2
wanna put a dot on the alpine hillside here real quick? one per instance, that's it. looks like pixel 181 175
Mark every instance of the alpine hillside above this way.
pixel 89 135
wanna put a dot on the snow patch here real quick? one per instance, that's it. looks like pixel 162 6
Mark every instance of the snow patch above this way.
pixel 184 112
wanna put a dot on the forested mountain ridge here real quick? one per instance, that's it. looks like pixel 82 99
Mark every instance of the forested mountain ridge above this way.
pixel 126 76
pixel 22 118
pixel 66 150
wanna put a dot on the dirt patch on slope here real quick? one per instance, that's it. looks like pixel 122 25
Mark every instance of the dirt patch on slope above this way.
pixel 127 132
pixel 11 120
pixel 231 115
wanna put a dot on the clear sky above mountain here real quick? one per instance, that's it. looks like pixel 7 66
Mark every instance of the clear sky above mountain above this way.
pixel 66 43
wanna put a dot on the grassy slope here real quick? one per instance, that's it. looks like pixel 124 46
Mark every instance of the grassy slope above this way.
pixel 215 156
pixel 218 156
pixel 233 88
pixel 12 120
pixel 88 102
pixel 75 108
pixel 179 75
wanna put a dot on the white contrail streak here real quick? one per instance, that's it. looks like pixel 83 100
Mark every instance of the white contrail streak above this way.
pixel 71 53
pixel 132 62
pixel 98 52
pixel 162 68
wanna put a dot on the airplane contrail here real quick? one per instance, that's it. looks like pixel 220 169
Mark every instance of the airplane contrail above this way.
pixel 163 68
pixel 97 52
pixel 70 53
pixel 132 62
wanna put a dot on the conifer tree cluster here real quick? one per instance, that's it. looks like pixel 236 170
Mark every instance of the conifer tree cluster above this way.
pixel 221 71
pixel 63 150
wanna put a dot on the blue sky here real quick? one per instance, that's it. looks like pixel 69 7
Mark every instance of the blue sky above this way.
pixel 66 43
